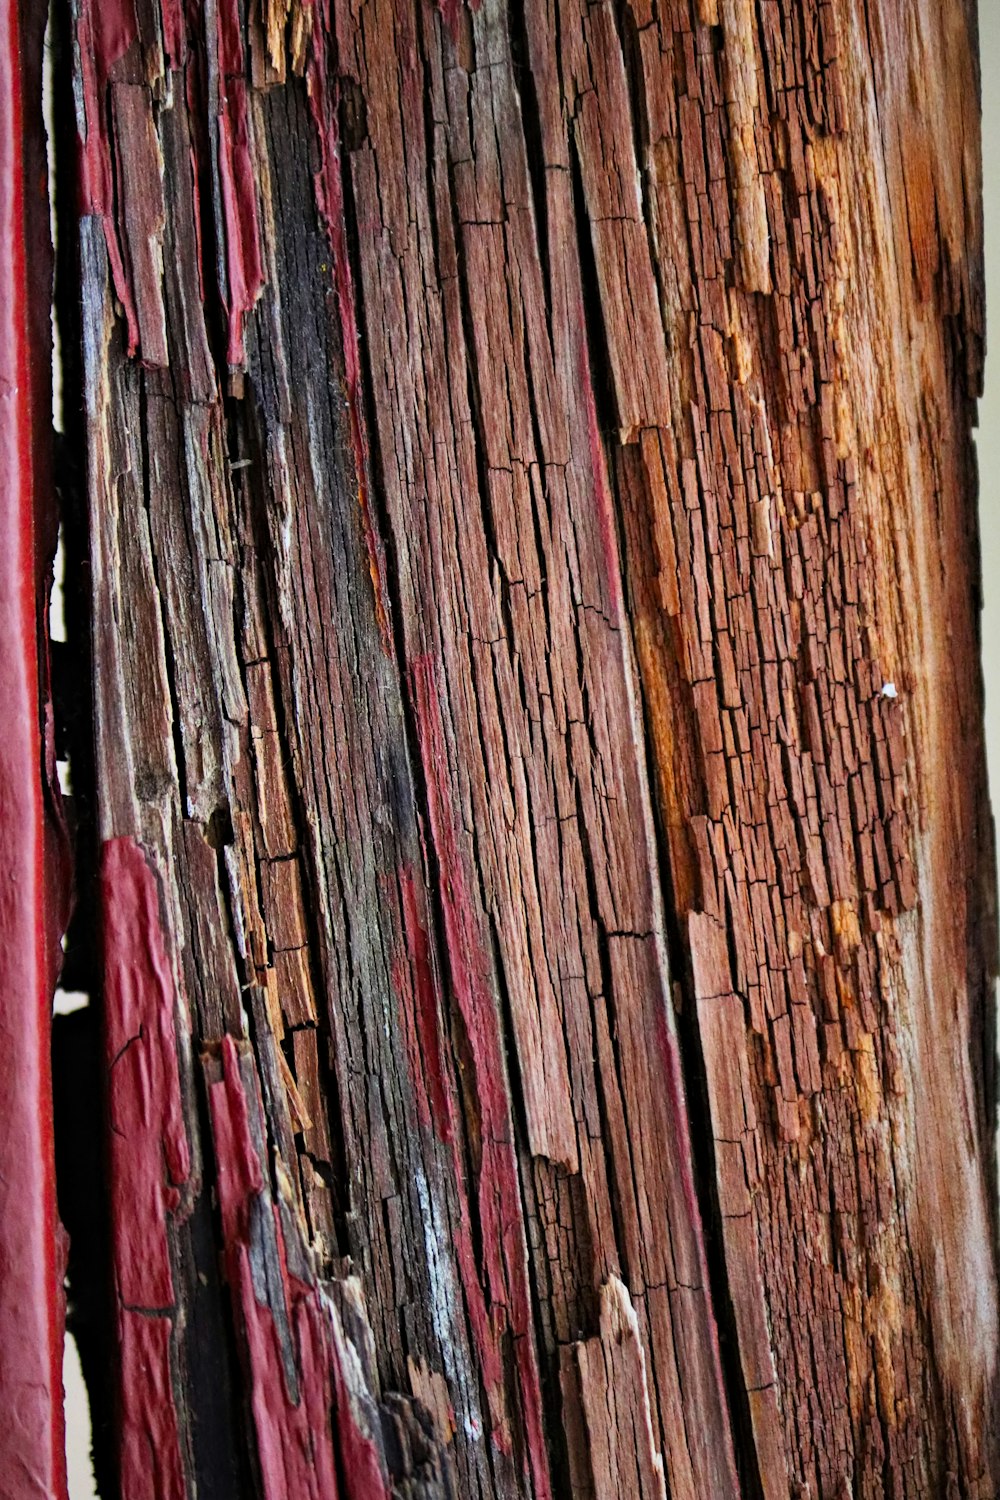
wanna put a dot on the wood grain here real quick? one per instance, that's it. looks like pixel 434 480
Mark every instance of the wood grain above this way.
pixel 535 630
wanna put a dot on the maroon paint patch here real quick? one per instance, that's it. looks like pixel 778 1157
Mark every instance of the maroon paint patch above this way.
pixel 244 257
pixel 105 33
pixel 149 1439
pixel 294 1437
pixel 149 1162
pixel 244 264
pixel 451 12
pixel 230 38
pixel 174 31
pixel 114 30
pixel 359 1462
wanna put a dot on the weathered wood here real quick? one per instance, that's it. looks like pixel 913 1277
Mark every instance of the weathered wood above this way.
pixel 547 869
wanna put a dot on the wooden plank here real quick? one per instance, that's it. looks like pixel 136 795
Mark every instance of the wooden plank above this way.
pixel 533 553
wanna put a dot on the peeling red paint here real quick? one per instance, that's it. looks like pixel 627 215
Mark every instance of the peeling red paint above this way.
pixel 31 1304
pixel 230 39
pixel 174 31
pixel 294 1441
pixel 295 1437
pixel 149 1163
pixel 244 256
pixel 105 33
pixel 506 1298
pixel 150 1156
pixel 330 202
pixel 451 14
pixel 359 1462
pixel 115 28
pixel 244 264
pixel 148 1437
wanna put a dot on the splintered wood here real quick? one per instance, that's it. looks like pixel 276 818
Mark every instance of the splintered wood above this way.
pixel 524 444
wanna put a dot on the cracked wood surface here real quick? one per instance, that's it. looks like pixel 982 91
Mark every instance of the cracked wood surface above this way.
pixel 547 868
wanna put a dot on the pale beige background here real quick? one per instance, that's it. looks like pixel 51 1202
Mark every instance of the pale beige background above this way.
pixel 78 1435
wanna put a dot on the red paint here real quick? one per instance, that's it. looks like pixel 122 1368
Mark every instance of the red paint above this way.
pixel 174 31
pixel 230 39
pixel 421 1010
pixel 359 1460
pixel 294 1442
pixel 148 1437
pixel 505 1299
pixel 244 257
pixel 149 1162
pixel 330 202
pixel 244 263
pixel 105 32
pixel 114 30
pixel 31 1435
pixel 451 14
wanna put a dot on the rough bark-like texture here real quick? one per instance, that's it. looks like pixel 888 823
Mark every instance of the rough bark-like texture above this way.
pixel 546 865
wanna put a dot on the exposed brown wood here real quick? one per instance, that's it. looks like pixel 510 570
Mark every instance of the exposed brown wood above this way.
pixel 547 867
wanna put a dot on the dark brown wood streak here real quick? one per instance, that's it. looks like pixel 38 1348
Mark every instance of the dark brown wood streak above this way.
pixel 546 860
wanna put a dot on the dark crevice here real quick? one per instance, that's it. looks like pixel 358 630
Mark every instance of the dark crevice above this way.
pixel 196 79
pixel 593 310
pixel 222 1462
pixel 207 124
